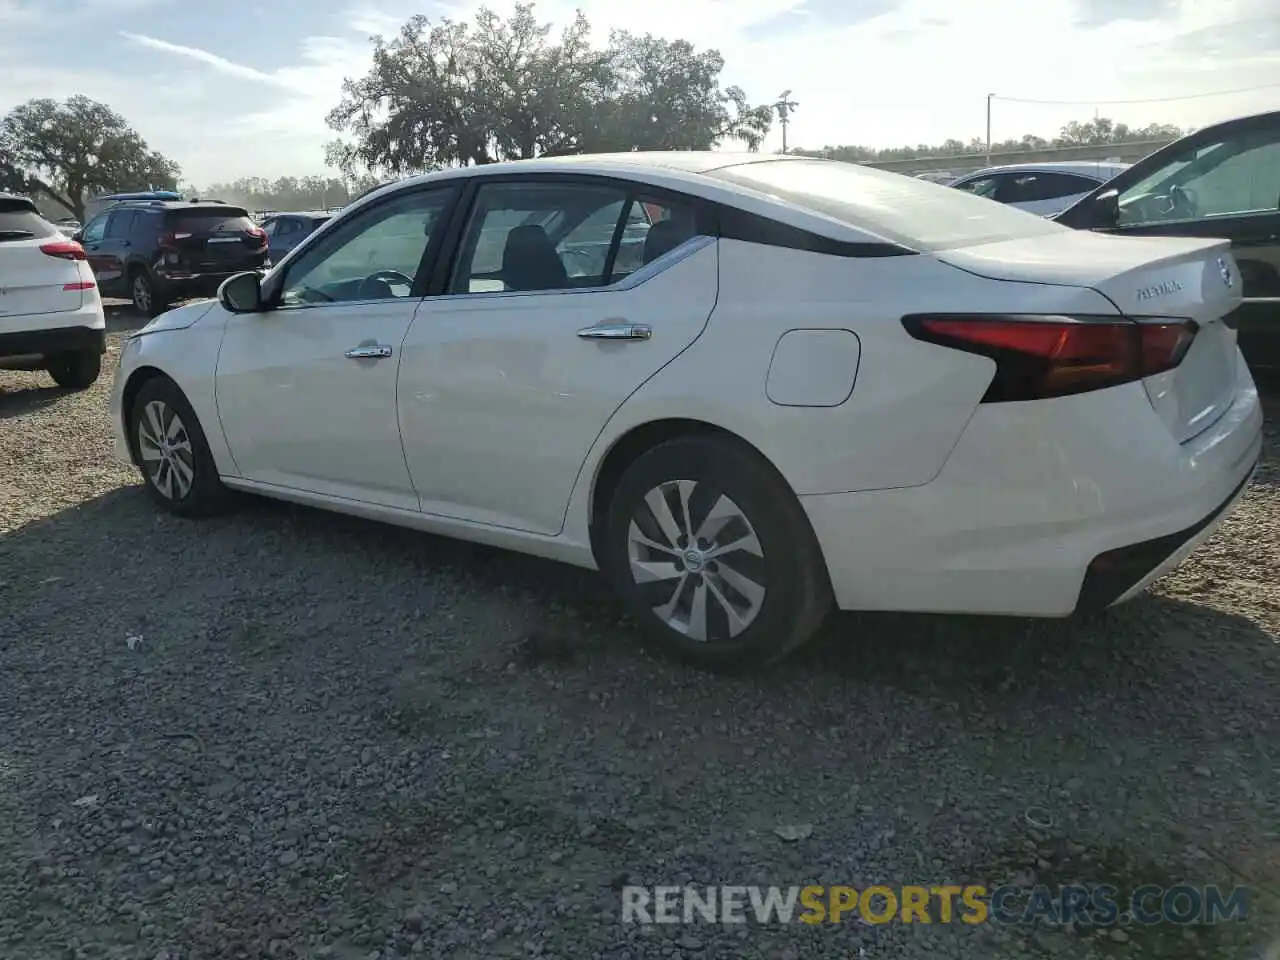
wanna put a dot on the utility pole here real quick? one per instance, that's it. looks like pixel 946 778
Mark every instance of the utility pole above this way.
pixel 784 108
pixel 990 97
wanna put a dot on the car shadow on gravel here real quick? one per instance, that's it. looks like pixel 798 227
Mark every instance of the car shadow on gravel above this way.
pixel 16 403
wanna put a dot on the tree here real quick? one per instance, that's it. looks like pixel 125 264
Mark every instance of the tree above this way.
pixel 1098 131
pixel 448 94
pixel 665 96
pixel 68 151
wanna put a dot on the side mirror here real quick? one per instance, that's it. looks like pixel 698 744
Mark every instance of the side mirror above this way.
pixel 241 293
pixel 1106 209
pixel 78 236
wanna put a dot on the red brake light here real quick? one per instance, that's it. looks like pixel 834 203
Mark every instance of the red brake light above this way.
pixel 63 250
pixel 258 234
pixel 167 241
pixel 1039 357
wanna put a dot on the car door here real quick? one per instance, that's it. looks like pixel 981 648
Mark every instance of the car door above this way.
pixel 113 250
pixel 306 392
pixel 510 374
pixel 1223 181
pixel 91 238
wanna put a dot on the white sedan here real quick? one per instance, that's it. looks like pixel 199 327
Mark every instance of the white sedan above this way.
pixel 747 388
pixel 1042 188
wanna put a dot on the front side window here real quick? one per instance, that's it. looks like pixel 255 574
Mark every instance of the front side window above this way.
pixel 1035 187
pixel 376 255
pixel 538 236
pixel 95 229
pixel 1233 176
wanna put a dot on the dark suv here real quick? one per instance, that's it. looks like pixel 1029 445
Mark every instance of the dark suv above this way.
pixel 158 251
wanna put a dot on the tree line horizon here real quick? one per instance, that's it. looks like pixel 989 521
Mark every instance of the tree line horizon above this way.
pixel 449 93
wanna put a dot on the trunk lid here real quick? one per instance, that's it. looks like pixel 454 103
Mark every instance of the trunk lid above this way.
pixel 32 282
pixel 215 239
pixel 1148 279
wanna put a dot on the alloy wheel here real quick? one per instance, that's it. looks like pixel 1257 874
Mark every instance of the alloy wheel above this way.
pixel 141 293
pixel 164 448
pixel 696 559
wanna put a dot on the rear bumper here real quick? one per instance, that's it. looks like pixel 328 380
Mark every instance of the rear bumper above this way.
pixel 52 341
pixel 1041 510
pixel 182 285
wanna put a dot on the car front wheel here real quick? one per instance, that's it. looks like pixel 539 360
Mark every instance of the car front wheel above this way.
pixel 172 453
pixel 711 551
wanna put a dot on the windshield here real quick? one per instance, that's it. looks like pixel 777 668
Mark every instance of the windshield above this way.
pixel 913 213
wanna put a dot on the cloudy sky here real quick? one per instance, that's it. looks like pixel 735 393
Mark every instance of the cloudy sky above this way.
pixel 235 88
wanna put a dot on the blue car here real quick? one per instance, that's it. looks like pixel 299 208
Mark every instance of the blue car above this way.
pixel 286 230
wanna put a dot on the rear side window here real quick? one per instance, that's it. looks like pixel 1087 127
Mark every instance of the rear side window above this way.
pixel 913 213
pixel 209 221
pixel 120 224
pixel 19 222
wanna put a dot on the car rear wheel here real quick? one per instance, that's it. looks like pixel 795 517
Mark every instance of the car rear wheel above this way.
pixel 711 551
pixel 77 370
pixel 172 453
pixel 147 297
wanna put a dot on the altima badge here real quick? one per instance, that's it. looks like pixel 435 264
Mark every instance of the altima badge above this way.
pixel 1227 278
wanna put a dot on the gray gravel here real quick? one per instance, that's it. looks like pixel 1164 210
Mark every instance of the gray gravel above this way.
pixel 289 734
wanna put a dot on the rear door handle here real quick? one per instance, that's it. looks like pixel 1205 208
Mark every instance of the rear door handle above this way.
pixel 617 331
pixel 373 351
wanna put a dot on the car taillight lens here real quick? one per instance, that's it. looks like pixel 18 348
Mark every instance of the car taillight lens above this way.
pixel 258 234
pixel 1039 357
pixel 63 250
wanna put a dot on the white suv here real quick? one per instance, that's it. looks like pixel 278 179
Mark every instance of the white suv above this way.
pixel 50 312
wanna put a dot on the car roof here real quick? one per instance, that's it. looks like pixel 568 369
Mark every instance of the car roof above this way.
pixel 13 203
pixel 178 205
pixel 680 170
pixel 1081 167
pixel 313 214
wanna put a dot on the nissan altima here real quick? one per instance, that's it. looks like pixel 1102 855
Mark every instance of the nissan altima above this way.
pixel 746 388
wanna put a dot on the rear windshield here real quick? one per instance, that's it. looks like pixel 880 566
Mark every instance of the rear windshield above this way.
pixel 19 222
pixel 914 213
pixel 214 220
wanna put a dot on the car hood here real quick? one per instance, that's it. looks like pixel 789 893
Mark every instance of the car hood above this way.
pixel 179 318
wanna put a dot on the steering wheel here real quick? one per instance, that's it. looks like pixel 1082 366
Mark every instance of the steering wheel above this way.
pixel 387 278
pixel 1181 203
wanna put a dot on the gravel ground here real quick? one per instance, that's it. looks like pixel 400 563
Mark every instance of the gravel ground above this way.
pixel 289 734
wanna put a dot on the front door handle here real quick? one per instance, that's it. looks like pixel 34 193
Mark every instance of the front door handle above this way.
pixel 373 351
pixel 617 331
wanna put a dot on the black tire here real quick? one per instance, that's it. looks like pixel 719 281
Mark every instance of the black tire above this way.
pixel 148 297
pixel 797 592
pixel 204 493
pixel 76 370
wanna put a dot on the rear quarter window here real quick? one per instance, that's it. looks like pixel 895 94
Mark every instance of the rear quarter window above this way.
pixel 913 213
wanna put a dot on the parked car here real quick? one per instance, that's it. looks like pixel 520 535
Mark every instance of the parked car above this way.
pixel 1221 181
pixel 51 316
pixel 286 230
pixel 158 251
pixel 1041 188
pixel 819 383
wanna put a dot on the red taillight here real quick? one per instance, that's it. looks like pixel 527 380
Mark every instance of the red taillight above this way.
pixel 1039 357
pixel 63 250
pixel 258 234
pixel 167 241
